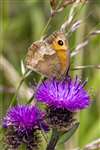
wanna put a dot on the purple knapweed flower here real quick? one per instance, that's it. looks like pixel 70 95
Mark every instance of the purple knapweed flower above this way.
pixel 67 94
pixel 21 123
pixel 23 117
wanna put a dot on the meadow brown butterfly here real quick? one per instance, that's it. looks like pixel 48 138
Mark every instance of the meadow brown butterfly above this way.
pixel 49 56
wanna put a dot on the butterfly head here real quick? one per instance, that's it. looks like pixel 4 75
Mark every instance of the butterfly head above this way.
pixel 59 42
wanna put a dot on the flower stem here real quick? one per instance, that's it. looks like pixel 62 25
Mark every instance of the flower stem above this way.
pixel 53 141
pixel 13 101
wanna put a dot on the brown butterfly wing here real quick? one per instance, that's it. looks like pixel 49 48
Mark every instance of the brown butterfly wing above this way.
pixel 41 58
pixel 33 56
pixel 50 66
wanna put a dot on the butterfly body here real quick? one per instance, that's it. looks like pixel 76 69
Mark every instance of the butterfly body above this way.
pixel 49 56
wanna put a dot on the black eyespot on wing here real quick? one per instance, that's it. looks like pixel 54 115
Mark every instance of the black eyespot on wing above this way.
pixel 60 42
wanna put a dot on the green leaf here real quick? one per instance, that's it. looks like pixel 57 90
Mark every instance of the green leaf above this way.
pixel 66 136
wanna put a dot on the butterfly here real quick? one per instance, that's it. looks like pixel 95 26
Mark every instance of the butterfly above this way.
pixel 49 56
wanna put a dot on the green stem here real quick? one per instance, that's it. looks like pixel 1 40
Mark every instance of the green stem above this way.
pixel 53 141
pixel 15 95
pixel 86 67
pixel 22 147
pixel 13 101
pixel 45 28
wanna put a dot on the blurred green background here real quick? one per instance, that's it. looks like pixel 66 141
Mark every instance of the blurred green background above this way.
pixel 21 23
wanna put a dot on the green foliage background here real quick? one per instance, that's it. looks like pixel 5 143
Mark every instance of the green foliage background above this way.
pixel 21 23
